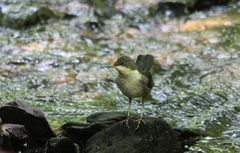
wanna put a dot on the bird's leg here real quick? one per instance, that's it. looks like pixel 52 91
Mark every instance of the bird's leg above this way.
pixel 141 115
pixel 129 112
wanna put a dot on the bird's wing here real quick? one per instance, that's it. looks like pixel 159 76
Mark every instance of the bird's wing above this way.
pixel 144 63
pixel 150 82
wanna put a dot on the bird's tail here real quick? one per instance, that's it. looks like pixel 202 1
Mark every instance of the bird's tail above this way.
pixel 145 62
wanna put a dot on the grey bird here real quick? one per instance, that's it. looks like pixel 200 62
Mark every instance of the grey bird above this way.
pixel 135 80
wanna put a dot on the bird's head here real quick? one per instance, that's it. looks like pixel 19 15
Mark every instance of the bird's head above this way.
pixel 124 65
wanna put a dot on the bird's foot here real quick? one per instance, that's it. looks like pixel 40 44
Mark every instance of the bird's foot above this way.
pixel 139 122
pixel 126 121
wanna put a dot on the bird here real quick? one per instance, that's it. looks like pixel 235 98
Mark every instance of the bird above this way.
pixel 135 80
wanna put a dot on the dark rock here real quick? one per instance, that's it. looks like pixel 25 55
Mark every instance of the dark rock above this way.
pixel 15 137
pixel 206 4
pixel 61 145
pixel 7 151
pixel 180 8
pixel 80 133
pixel 1 17
pixel 171 9
pixel 187 137
pixel 32 118
pixel 106 116
pixel 25 129
pixel 155 136
pixel 1 134
pixel 72 9
pixel 102 8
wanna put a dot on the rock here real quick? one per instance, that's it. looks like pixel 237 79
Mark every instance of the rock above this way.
pixel 31 118
pixel 102 8
pixel 170 9
pixel 61 145
pixel 1 134
pixel 106 116
pixel 72 9
pixel 187 137
pixel 15 137
pixel 25 129
pixel 178 8
pixel 80 132
pixel 206 4
pixel 155 136
pixel 6 151
pixel 19 16
pixel 1 17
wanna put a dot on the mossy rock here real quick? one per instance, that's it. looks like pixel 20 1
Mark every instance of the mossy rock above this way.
pixel 20 16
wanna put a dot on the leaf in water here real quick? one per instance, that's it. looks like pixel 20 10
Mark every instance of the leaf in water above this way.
pixel 66 79
pixel 130 34
pixel 208 23
pixel 34 46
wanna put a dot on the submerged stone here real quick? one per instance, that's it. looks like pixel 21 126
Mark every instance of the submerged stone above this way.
pixel 22 16
pixel 102 8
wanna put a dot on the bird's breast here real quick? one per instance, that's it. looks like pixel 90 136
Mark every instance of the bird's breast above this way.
pixel 132 85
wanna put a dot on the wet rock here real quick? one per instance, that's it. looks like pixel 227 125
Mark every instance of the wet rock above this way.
pixel 15 136
pixel 206 4
pixel 7 151
pixel 181 7
pixel 106 116
pixel 102 8
pixel 31 118
pixel 80 132
pixel 1 134
pixel 105 132
pixel 22 16
pixel 170 9
pixel 72 8
pixel 155 136
pixel 61 145
pixel 25 129
pixel 187 137
pixel 1 17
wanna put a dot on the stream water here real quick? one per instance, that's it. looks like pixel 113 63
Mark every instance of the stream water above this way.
pixel 60 67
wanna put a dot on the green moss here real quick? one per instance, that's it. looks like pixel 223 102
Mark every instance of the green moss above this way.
pixel 106 101
pixel 230 36
pixel 27 17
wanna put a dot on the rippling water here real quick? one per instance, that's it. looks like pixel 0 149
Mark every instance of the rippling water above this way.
pixel 60 67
